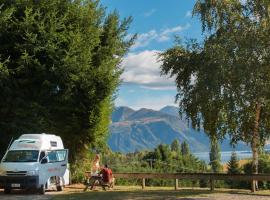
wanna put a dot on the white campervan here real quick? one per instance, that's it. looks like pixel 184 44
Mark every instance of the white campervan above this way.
pixel 35 161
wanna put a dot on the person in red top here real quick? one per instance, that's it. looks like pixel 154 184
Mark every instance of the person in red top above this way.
pixel 107 176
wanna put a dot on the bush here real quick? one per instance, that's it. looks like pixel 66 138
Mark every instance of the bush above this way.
pixel 264 168
pixel 234 168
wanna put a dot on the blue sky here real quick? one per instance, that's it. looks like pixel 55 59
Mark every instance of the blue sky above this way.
pixel 156 22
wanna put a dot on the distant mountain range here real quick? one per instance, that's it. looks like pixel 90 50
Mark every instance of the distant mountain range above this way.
pixel 145 129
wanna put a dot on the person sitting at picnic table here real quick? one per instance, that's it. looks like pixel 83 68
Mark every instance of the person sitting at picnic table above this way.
pixel 95 167
pixel 107 176
pixel 93 178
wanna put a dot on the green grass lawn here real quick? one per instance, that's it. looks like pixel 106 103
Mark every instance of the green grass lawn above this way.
pixel 133 192
pixel 150 193
pixel 123 195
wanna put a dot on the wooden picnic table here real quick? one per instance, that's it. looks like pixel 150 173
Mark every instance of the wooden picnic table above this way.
pixel 95 180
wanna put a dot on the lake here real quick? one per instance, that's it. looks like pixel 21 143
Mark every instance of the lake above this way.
pixel 225 155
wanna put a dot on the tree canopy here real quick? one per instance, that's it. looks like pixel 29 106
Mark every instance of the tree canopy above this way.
pixel 59 68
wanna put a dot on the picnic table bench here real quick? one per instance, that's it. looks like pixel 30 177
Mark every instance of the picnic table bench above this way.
pixel 92 181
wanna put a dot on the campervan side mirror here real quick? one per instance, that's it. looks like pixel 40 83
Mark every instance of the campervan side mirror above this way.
pixel 44 160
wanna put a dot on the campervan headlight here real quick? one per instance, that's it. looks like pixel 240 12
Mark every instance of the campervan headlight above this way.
pixel 32 173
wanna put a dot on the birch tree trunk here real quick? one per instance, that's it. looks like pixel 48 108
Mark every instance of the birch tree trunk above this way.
pixel 255 143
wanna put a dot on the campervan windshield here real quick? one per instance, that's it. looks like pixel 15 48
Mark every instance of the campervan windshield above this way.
pixel 21 156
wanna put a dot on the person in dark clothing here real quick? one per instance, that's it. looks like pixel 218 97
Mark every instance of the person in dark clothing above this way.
pixel 107 176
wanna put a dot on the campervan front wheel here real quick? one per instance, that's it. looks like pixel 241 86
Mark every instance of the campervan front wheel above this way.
pixel 42 189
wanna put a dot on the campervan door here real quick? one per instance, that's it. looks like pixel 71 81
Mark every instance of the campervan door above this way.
pixel 54 165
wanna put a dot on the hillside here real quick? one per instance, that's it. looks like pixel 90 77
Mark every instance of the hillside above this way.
pixel 121 113
pixel 145 129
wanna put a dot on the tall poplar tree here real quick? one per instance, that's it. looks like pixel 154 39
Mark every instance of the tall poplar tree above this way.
pixel 59 68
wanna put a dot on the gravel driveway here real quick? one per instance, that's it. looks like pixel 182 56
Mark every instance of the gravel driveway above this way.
pixel 221 196
pixel 24 197
pixel 20 195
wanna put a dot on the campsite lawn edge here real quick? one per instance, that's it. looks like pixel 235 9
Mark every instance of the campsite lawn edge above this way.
pixel 150 193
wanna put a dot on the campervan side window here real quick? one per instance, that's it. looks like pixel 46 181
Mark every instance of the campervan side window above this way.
pixel 52 157
pixel 57 156
pixel 53 143
pixel 61 155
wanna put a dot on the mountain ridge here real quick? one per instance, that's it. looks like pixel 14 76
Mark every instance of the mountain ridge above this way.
pixel 145 129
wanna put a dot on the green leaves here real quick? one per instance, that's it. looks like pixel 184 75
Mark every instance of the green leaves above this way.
pixel 233 165
pixel 229 94
pixel 59 70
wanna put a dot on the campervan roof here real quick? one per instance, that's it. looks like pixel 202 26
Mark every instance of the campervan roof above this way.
pixel 37 142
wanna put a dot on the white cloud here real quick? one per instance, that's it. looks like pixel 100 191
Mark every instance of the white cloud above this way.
pixel 148 102
pixel 166 34
pixel 131 91
pixel 174 30
pixel 143 68
pixel 145 39
pixel 154 103
pixel 166 87
pixel 121 102
pixel 150 12
pixel 163 38
pixel 188 14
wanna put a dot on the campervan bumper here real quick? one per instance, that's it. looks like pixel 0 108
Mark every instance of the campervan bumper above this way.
pixel 19 182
